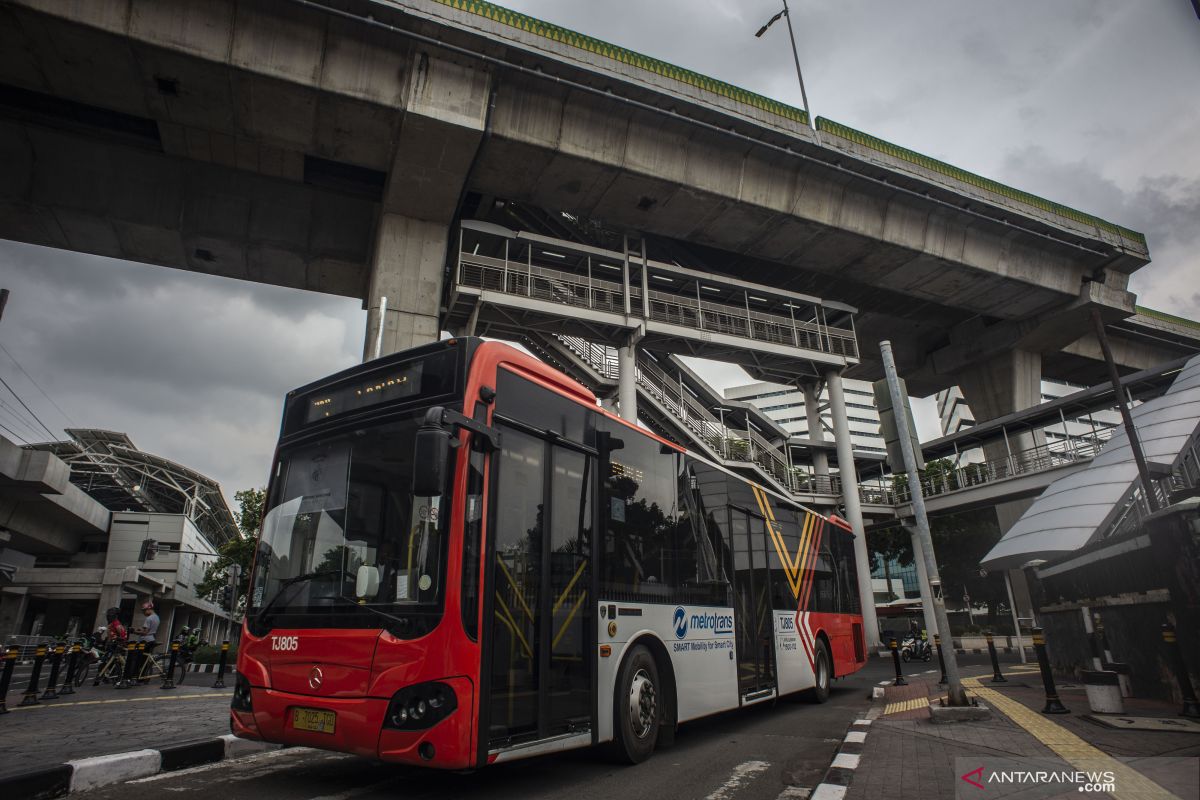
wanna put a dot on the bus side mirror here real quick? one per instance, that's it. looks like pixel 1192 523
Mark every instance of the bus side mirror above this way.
pixel 430 455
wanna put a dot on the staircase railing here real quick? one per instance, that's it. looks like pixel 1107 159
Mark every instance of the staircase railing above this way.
pixel 571 289
pixel 751 447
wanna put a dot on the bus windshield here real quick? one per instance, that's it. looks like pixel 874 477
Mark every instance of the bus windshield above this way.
pixel 344 541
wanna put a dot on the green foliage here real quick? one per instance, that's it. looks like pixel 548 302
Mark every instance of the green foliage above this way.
pixel 250 510
pixel 239 551
pixel 960 541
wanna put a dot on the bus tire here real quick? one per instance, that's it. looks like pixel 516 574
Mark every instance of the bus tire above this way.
pixel 823 672
pixel 636 707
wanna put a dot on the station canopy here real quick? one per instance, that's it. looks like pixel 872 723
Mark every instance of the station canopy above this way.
pixel 109 467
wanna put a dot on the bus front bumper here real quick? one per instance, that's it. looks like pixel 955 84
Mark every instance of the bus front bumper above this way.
pixel 358 727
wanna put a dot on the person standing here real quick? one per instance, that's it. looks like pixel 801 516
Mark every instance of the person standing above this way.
pixel 148 634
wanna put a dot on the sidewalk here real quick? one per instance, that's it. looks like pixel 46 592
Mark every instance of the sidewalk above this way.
pixel 905 755
pixel 101 720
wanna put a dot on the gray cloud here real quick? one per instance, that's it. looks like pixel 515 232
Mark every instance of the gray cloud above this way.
pixel 1166 208
pixel 1087 102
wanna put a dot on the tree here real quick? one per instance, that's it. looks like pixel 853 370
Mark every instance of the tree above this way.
pixel 240 549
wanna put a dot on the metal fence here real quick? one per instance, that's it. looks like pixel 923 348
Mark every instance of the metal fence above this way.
pixel 579 291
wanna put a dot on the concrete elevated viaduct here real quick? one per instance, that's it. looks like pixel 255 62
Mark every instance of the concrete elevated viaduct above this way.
pixel 327 145
pixel 332 145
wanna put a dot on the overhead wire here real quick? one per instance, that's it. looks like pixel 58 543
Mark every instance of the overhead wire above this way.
pixel 14 434
pixel 25 405
pixel 64 414
pixel 13 416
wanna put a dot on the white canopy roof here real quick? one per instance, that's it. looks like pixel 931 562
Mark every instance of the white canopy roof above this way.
pixel 1074 509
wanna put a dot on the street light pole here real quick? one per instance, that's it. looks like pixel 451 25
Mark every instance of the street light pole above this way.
pixel 957 697
pixel 795 57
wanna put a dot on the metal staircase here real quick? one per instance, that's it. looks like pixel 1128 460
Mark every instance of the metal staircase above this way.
pixel 671 410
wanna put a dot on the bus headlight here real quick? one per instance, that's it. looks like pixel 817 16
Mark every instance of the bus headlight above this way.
pixel 241 694
pixel 421 706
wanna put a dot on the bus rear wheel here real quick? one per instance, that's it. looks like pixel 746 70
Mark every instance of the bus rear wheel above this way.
pixel 636 707
pixel 823 672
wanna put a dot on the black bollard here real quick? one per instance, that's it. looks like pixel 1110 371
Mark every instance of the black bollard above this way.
pixel 220 681
pixel 169 678
pixel 68 686
pixel 51 692
pixel 1053 704
pixel 1191 708
pixel 127 673
pixel 30 698
pixel 937 640
pixel 996 676
pixel 896 661
pixel 10 661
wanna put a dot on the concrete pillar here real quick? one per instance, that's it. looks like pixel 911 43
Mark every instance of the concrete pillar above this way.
pixel 406 271
pixel 849 478
pixel 627 381
pixel 110 597
pixel 816 431
pixel 1001 385
pixel 446 107
pixel 14 602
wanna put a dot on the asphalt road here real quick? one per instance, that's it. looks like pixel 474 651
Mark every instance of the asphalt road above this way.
pixel 755 753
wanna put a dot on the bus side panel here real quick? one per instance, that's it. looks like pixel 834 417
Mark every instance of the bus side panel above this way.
pixel 794 670
pixel 839 630
pixel 700 642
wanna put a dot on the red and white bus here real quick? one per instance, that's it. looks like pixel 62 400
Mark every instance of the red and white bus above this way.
pixel 466 560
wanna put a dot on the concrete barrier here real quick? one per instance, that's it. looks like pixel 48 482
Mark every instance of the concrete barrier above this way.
pixel 91 773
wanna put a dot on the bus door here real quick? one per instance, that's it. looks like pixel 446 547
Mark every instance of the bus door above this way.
pixel 539 678
pixel 752 604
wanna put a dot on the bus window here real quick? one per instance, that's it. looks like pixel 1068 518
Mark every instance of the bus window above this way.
pixel 701 569
pixel 651 546
pixel 847 575
pixel 824 597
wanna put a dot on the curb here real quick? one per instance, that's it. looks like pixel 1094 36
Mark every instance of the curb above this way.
pixel 90 773
pixel 841 771
pixel 229 668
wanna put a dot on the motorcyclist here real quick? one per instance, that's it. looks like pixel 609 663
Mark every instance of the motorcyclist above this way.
pixel 189 640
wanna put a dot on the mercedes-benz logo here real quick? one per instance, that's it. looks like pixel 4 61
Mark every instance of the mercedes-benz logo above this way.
pixel 315 676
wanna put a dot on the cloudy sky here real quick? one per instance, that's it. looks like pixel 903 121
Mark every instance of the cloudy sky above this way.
pixel 1091 103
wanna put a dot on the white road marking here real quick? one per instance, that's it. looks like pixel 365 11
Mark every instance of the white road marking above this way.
pixel 829 791
pixel 846 761
pixel 883 683
pixel 862 722
pixel 794 793
pixel 856 736
pixel 740 773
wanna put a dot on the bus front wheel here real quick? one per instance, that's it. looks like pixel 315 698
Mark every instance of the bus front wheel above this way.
pixel 823 669
pixel 636 707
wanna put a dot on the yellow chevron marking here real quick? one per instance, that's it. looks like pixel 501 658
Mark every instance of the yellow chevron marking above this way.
pixel 795 568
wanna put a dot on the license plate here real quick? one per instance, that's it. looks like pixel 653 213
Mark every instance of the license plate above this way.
pixel 313 719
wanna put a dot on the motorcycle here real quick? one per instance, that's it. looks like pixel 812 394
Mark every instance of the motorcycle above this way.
pixel 912 647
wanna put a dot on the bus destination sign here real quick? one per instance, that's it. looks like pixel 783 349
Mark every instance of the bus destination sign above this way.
pixel 382 387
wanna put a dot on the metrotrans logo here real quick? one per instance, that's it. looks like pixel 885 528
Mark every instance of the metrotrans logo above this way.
pixel 720 624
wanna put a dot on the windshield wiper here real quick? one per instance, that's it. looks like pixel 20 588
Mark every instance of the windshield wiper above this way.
pixel 264 615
